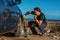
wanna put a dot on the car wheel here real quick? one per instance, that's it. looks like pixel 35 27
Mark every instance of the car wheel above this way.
pixel 17 33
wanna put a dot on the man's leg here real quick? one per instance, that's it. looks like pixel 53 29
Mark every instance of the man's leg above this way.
pixel 31 25
pixel 42 28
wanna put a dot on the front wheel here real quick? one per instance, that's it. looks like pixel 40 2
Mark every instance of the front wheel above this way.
pixel 17 33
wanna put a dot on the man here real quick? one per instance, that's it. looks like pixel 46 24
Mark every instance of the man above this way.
pixel 40 20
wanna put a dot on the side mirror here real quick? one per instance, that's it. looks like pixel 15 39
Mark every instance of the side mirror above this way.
pixel 12 2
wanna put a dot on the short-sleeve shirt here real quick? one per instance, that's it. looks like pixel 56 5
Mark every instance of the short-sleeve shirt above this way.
pixel 41 17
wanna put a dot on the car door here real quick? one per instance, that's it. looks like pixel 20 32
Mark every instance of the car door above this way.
pixel 2 26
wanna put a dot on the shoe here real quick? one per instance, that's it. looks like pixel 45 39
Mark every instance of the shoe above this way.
pixel 40 34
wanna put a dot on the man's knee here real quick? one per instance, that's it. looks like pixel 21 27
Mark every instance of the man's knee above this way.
pixel 43 26
pixel 31 23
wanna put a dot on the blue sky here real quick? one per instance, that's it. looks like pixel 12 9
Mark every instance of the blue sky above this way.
pixel 51 8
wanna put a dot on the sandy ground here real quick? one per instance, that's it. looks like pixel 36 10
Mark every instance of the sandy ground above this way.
pixel 31 37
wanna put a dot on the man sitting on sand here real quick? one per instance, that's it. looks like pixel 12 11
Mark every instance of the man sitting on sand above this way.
pixel 40 20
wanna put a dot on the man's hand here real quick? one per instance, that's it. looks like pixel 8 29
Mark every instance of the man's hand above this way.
pixel 23 16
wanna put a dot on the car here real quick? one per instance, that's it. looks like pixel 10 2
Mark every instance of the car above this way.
pixel 10 17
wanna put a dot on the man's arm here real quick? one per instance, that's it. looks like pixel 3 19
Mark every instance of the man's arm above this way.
pixel 30 12
pixel 27 13
pixel 39 22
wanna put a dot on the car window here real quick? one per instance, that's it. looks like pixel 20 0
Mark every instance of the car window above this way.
pixel 3 6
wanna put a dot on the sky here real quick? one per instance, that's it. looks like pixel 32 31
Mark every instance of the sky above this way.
pixel 51 8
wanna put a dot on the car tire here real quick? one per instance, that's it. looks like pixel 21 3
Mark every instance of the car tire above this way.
pixel 17 33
